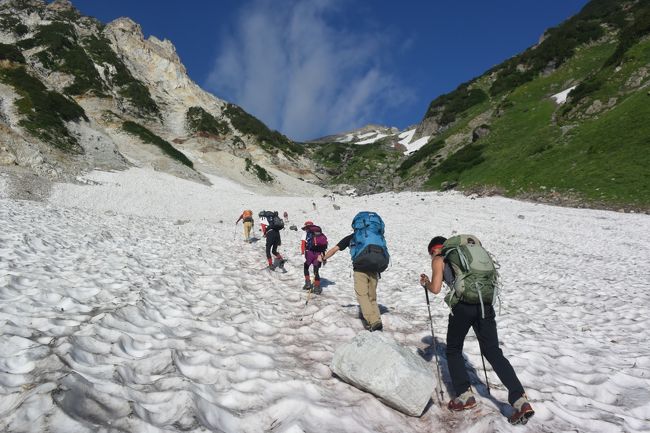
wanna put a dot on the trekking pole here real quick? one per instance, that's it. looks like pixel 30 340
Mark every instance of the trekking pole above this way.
pixel 435 349
pixel 484 370
pixel 306 302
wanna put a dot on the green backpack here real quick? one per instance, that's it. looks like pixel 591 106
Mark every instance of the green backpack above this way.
pixel 476 277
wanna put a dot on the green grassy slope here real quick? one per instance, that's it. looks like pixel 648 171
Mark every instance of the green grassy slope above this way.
pixel 592 150
pixel 603 158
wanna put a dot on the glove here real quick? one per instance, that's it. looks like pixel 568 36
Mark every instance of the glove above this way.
pixel 424 280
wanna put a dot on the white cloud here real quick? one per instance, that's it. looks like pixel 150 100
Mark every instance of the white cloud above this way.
pixel 297 70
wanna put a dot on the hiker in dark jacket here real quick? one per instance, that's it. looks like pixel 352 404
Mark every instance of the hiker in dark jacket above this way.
pixel 273 241
pixel 464 316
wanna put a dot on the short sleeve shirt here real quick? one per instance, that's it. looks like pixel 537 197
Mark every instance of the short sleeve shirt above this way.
pixel 344 243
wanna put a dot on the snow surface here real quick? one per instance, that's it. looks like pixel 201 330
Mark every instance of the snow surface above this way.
pixel 365 138
pixel 406 136
pixel 560 98
pixel 417 144
pixel 132 305
pixel 367 134
pixel 348 138
pixel 379 136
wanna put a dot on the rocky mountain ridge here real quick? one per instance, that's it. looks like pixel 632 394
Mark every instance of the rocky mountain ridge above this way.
pixel 77 95
pixel 364 135
pixel 564 121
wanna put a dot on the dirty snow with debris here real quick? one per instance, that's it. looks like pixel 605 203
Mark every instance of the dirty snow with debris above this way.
pixel 132 304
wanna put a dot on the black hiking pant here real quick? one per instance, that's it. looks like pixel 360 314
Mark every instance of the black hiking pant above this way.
pixel 464 317
pixel 272 243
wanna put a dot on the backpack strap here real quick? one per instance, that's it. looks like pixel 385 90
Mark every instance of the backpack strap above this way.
pixel 478 286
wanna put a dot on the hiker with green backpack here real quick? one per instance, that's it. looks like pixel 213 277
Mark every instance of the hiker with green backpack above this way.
pixel 472 277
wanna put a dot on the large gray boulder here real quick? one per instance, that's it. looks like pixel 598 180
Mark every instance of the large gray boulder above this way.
pixel 375 363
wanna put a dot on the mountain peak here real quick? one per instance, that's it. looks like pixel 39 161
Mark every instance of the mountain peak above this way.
pixel 61 5
pixel 128 33
pixel 126 25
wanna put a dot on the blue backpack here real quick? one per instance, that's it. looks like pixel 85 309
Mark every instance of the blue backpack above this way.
pixel 368 246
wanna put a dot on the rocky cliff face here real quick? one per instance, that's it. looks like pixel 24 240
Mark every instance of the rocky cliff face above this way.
pixel 156 64
pixel 77 95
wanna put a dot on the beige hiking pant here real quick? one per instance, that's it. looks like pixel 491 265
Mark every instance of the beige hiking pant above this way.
pixel 248 226
pixel 365 286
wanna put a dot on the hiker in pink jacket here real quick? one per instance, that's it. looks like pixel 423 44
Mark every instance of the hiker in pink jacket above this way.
pixel 312 245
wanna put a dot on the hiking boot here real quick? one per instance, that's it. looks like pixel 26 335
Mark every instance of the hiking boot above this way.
pixel 281 263
pixel 317 288
pixel 377 326
pixel 464 401
pixel 271 267
pixel 523 411
pixel 307 286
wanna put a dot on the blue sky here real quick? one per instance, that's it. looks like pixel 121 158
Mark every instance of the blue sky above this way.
pixel 309 68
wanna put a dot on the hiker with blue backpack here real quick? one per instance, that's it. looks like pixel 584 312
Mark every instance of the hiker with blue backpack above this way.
pixel 312 246
pixel 369 259
pixel 271 224
pixel 472 277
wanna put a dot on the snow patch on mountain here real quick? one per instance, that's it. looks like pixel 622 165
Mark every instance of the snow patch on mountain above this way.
pixel 376 137
pixel 560 98
pixel 367 135
pixel 414 146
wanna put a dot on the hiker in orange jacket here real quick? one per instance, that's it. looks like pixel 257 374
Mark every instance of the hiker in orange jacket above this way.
pixel 247 217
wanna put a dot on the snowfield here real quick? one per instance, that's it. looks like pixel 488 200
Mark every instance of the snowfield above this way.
pixel 412 147
pixel 131 304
